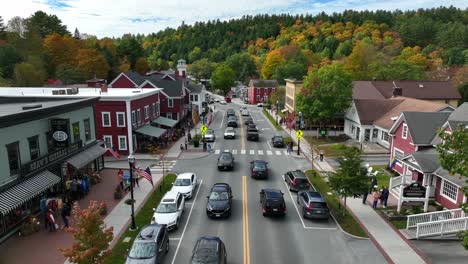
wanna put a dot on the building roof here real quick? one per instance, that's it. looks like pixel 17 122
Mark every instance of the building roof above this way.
pixel 459 116
pixel 370 110
pixel 195 88
pixel 264 83
pixel 135 77
pixel 429 90
pixel 171 88
pixel 406 104
pixel 423 126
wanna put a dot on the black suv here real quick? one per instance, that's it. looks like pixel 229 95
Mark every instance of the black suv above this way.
pixel 219 201
pixel 232 121
pixel 313 205
pixel 259 169
pixel 225 161
pixel 252 134
pixel 278 141
pixel 150 246
pixel 296 180
pixel 210 250
pixel 272 202
pixel 248 120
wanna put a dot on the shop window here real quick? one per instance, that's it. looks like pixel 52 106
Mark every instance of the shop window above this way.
pixel 107 141
pixel 450 190
pixel 122 142
pixel 120 119
pixel 133 118
pixel 87 129
pixel 13 157
pixel 138 116
pixel 170 102
pixel 147 112
pixel 106 121
pixel 76 131
pixel 404 131
pixel 34 150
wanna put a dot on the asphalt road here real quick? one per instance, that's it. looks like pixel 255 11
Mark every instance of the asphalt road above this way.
pixel 249 237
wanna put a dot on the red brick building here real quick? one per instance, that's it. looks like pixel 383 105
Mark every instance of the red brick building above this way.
pixel 260 90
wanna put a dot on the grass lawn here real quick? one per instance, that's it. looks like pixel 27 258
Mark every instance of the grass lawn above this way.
pixel 333 150
pixel 120 250
pixel 383 179
pixel 272 120
pixel 399 224
pixel 313 140
pixel 346 221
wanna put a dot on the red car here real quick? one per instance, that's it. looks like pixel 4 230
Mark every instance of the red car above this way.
pixel 227 99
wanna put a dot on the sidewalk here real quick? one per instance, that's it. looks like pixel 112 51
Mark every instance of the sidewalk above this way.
pixel 390 243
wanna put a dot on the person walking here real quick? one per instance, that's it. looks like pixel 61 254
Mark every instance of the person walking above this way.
pixel 66 212
pixel 375 196
pixel 321 155
pixel 289 150
pixel 364 196
pixel 186 143
pixel 51 220
pixel 120 174
pixel 385 194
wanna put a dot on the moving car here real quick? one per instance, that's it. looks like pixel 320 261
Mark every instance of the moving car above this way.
pixel 252 126
pixel 229 133
pixel 185 183
pixel 225 161
pixel 278 142
pixel 219 201
pixel 272 202
pixel 209 250
pixel 296 180
pixel 248 120
pixel 210 135
pixel 313 205
pixel 259 169
pixel 244 112
pixel 232 121
pixel 150 245
pixel 170 210
pixel 230 112
pixel 252 134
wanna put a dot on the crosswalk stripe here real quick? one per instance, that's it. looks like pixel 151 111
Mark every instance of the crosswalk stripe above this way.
pixel 217 151
pixel 260 152
pixel 278 153
pixel 269 152
pixel 252 152
pixel 234 151
pixel 243 152
pixel 285 152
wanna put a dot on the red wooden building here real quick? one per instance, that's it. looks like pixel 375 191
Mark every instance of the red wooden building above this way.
pixel 260 90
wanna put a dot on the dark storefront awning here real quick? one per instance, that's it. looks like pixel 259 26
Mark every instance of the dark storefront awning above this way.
pixel 165 121
pixel 150 130
pixel 26 190
pixel 81 159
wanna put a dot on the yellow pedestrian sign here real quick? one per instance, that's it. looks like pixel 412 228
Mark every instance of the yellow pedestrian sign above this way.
pixel 203 129
pixel 299 134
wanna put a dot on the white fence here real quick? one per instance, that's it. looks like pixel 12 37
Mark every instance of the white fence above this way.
pixel 414 220
pixel 441 227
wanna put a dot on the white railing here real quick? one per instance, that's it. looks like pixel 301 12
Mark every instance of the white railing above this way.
pixel 441 227
pixel 395 181
pixel 414 220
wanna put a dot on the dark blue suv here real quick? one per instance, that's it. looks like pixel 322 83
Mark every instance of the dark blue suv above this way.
pixel 313 205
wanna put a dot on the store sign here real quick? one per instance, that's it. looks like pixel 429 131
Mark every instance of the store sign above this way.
pixel 40 163
pixel 415 190
pixel 60 129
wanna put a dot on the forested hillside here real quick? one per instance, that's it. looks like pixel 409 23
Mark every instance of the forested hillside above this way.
pixel 422 44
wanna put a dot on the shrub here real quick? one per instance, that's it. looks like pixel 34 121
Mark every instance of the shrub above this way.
pixel 416 209
pixel 432 203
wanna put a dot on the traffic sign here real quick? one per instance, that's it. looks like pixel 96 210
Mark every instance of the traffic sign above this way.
pixel 203 129
pixel 299 134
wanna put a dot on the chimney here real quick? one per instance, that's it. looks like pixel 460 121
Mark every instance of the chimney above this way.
pixel 104 88
pixel 177 75
pixel 397 91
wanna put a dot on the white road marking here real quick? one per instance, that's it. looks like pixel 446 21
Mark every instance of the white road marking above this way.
pixel 243 151
pixel 268 143
pixel 174 238
pixel 252 152
pixel 217 151
pixel 277 152
pixel 269 152
pixel 186 224
pixel 222 119
pixel 285 152
pixel 260 152
pixel 234 151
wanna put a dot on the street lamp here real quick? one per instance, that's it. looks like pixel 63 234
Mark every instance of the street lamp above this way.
pixel 299 115
pixel 277 111
pixel 131 162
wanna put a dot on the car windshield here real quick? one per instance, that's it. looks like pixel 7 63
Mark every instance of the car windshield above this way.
pixel 229 129
pixel 209 131
pixel 142 250
pixel 219 196
pixel 182 182
pixel 259 166
pixel 166 208
pixel 225 157
pixel 278 139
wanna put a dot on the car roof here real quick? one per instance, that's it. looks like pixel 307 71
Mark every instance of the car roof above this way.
pixel 225 152
pixel 298 174
pixel 276 136
pixel 149 232
pixel 272 190
pixel 315 196
pixel 185 175
pixel 220 187
pixel 170 195
pixel 259 161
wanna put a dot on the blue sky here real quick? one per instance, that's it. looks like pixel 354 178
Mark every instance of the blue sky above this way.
pixel 108 18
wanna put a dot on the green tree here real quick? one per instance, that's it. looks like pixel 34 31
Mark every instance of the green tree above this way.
pixel 398 70
pixel 2 29
pixel 46 24
pixel 243 65
pixel 141 66
pixel 195 54
pixel 130 48
pixel 223 78
pixel 68 74
pixel 351 177
pixel 27 75
pixel 463 89
pixel 9 56
pixel 279 95
pixel 92 236
pixel 202 69
pixel 327 91
pixel 291 70
pixel 358 63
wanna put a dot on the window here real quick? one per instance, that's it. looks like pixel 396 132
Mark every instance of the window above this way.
pixel 404 132
pixel 398 154
pixel 139 116
pixel 258 90
pixel 384 136
pixel 133 118
pixel 352 129
pixel 13 157
pixel 169 115
pixel 122 142
pixel 76 131
pixel 449 190
pixel 154 109
pixel 106 121
pixel 170 102
pixel 120 119
pixel 34 147
pixel 147 112
pixel 108 141
pixel 87 129
pixel 195 97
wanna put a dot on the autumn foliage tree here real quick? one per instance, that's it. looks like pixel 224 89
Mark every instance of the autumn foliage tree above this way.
pixel 141 66
pixel 92 236
pixel 90 62
pixel 60 50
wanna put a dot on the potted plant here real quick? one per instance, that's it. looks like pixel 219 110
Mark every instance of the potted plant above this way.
pixel 196 141
pixel 118 194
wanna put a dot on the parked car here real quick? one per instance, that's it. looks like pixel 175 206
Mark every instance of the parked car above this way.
pixel 229 133
pixel 232 122
pixel 227 99
pixel 259 169
pixel 297 180
pixel 248 120
pixel 225 161
pixel 272 202
pixel 170 210
pixel 278 142
pixel 150 245
pixel 222 102
pixel 209 250
pixel 313 205
pixel 185 183
pixel 252 134
pixel 219 201
pixel 244 112
pixel 210 135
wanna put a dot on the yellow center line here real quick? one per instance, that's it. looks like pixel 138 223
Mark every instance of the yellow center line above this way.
pixel 242 132
pixel 245 221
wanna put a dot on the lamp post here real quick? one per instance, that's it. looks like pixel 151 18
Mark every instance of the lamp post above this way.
pixel 277 111
pixel 299 115
pixel 131 162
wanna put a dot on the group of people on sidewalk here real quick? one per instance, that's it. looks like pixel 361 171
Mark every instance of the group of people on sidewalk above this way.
pixel 377 195
pixel 54 207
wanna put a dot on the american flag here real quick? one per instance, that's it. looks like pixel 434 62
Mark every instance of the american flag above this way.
pixel 146 174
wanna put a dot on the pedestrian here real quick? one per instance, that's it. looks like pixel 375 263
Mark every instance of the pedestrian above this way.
pixel 51 220
pixel 385 194
pixel 376 197
pixel 66 212
pixel 189 136
pixel 135 179
pixel 120 174
pixel 374 184
pixel 186 143
pixel 321 155
pixel 181 147
pixel 209 148
pixel 364 196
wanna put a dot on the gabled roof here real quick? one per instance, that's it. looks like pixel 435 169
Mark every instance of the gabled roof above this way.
pixel 370 110
pixel 170 88
pixel 459 116
pixel 423 126
pixel 365 90
pixel 264 83
pixel 195 88
pixel 135 77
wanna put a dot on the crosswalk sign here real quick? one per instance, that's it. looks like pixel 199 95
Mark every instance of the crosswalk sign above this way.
pixel 299 134
pixel 203 129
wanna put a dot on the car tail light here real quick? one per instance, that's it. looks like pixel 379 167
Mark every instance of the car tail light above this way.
pixel 293 182
pixel 309 206
pixel 254 171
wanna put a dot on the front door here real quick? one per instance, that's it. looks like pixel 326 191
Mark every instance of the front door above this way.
pixel 358 132
pixel 367 135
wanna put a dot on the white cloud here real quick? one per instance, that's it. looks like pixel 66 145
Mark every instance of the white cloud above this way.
pixel 114 17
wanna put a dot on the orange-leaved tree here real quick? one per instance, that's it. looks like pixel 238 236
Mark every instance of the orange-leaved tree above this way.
pixel 92 236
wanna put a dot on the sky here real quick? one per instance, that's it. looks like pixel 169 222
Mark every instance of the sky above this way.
pixel 113 18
